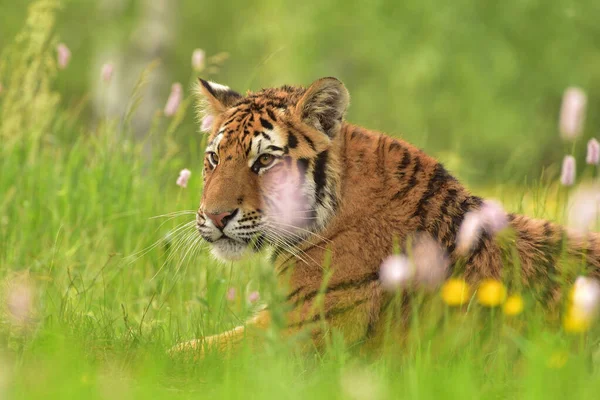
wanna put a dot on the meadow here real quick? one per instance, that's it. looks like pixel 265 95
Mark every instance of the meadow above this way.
pixel 102 271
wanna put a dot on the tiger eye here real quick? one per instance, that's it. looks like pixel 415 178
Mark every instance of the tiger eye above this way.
pixel 213 157
pixel 266 160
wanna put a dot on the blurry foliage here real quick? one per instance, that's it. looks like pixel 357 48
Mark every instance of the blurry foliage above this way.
pixel 477 84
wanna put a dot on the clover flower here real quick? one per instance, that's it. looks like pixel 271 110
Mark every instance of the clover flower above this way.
pixel 174 100
pixel 491 293
pixel 198 57
pixel 593 152
pixel 456 292
pixel 184 176
pixel 395 272
pixel 64 55
pixel 572 113
pixel 567 175
pixel 107 72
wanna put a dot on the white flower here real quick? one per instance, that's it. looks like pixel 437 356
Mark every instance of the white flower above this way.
pixel 395 272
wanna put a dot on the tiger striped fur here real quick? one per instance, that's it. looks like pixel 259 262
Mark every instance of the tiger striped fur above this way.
pixel 360 191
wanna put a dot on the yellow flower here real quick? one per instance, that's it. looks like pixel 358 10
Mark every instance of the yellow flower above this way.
pixel 576 321
pixel 513 305
pixel 455 292
pixel 558 359
pixel 491 293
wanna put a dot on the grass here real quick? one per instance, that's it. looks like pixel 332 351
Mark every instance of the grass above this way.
pixel 97 282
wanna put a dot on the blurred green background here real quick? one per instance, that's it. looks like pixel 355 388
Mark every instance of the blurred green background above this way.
pixel 476 83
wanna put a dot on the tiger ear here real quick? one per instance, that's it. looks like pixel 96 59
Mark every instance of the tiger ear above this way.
pixel 213 98
pixel 324 105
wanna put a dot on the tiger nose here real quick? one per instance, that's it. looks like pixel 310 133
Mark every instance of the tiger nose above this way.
pixel 221 219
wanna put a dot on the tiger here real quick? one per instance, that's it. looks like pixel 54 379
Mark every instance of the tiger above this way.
pixel 283 169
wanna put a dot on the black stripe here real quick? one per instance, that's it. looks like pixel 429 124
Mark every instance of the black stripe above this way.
pixel 266 124
pixel 302 164
pixel 439 177
pixel 292 141
pixel 350 284
pixel 266 135
pixel 309 141
pixel 411 182
pixel 294 292
pixel 275 148
pixel 320 175
pixel 394 145
pixel 271 114
pixel 328 314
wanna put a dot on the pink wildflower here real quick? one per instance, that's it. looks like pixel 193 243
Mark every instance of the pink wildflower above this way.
pixel 395 272
pixel 198 57
pixel 107 72
pixel 64 55
pixel 207 122
pixel 567 176
pixel 593 152
pixel 184 176
pixel 491 218
pixel 231 294
pixel 253 297
pixel 174 100
pixel 572 113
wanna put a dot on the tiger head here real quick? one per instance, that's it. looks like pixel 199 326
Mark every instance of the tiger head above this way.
pixel 270 169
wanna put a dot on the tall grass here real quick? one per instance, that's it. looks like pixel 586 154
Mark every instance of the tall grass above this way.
pixel 101 275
